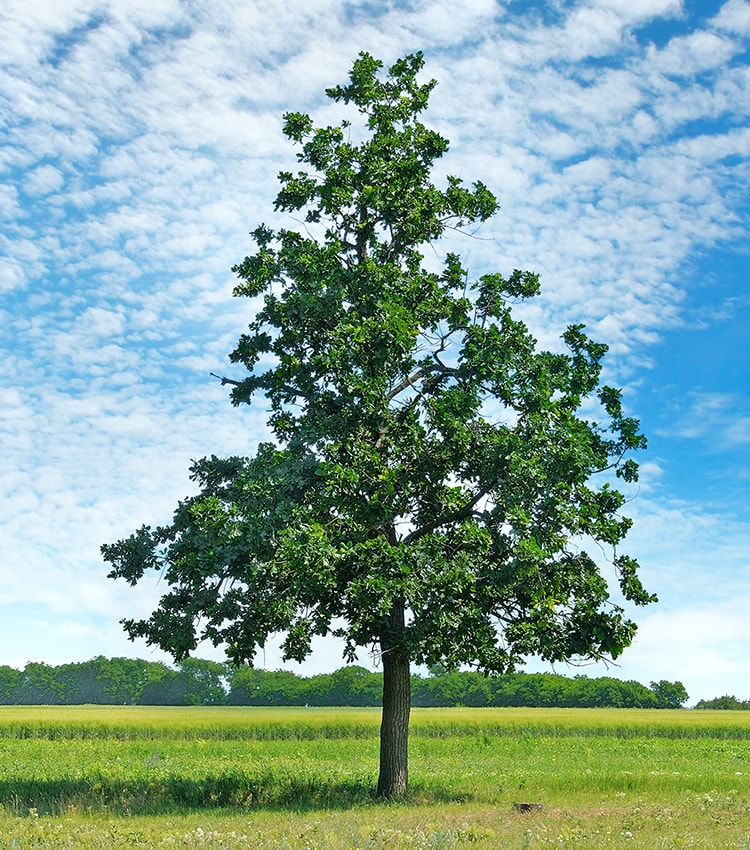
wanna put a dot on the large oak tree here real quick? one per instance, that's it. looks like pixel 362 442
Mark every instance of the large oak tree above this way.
pixel 430 489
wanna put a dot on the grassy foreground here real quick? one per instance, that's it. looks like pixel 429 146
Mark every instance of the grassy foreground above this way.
pixel 303 779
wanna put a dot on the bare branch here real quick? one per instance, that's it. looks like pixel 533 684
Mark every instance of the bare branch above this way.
pixel 439 368
pixel 407 382
pixel 225 381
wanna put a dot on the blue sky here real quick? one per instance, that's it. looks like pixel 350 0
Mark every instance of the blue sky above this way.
pixel 139 144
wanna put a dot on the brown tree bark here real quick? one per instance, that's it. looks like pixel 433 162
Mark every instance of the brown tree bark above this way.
pixel 394 728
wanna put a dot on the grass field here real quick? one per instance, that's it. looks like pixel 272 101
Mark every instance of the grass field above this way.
pixel 303 779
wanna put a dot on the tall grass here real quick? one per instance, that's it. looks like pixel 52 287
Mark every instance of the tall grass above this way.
pixel 177 722
pixel 268 724
pixel 582 722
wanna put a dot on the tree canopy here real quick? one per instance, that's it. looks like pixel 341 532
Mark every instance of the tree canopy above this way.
pixel 430 491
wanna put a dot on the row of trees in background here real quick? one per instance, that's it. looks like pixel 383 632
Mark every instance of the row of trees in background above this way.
pixel 725 703
pixel 198 682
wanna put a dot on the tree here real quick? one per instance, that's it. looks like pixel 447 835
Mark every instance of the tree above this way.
pixel 164 686
pixel 261 687
pixel 123 679
pixel 669 694
pixel 102 680
pixel 429 491
pixel 10 685
pixel 40 685
pixel 724 703
pixel 204 681
pixel 353 685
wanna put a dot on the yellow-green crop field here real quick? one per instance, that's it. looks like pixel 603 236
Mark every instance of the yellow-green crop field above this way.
pixel 303 779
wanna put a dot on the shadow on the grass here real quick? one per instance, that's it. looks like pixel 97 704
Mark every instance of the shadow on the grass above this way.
pixel 171 793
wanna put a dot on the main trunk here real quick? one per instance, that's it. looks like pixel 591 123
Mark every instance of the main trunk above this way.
pixel 394 729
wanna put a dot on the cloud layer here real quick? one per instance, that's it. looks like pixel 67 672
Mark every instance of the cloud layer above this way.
pixel 142 143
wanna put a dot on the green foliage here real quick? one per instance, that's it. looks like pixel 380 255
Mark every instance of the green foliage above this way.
pixel 431 485
pixel 115 681
pixel 122 681
pixel 541 690
pixel 10 681
pixel 260 687
pixel 724 703
pixel 669 694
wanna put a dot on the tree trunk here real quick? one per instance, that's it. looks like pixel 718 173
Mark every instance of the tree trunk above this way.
pixel 394 728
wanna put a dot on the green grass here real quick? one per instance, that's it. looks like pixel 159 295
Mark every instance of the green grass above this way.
pixel 80 777
pixel 148 722
pixel 226 723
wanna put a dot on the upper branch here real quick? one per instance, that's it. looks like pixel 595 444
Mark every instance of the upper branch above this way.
pixel 438 369
pixel 460 514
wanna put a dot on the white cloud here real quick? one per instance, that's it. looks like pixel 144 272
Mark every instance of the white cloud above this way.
pixel 638 11
pixel 11 275
pixel 151 147
pixel 695 53
pixel 722 416
pixel 734 17
pixel 43 180
pixel 702 646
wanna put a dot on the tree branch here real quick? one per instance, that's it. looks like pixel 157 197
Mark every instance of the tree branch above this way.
pixel 407 382
pixel 456 516
pixel 225 381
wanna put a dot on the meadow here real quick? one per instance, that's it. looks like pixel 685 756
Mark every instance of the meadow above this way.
pixel 304 779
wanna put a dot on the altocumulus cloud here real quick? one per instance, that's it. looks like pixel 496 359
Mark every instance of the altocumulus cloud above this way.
pixel 142 142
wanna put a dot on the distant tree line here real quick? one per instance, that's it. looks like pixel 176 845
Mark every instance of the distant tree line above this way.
pixel 118 681
pixel 727 703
